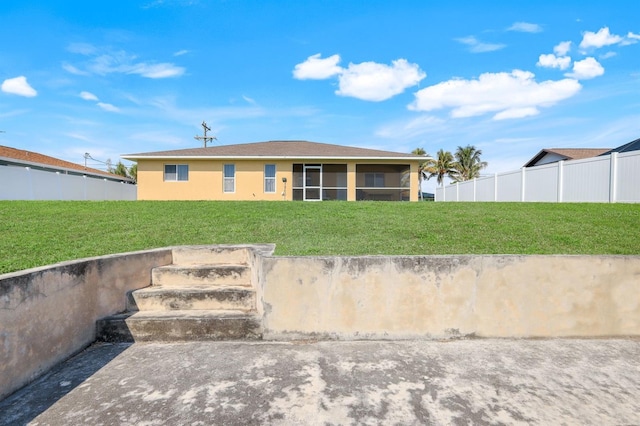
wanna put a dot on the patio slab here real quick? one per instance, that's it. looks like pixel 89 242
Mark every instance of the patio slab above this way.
pixel 559 381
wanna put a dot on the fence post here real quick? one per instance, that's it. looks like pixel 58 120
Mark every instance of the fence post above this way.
pixel 522 184
pixel 613 176
pixel 30 178
pixel 474 189
pixel 495 188
pixel 560 179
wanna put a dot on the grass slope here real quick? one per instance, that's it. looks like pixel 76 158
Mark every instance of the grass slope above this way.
pixel 38 233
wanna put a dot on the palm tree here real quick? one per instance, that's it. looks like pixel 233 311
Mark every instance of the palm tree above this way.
pixel 468 164
pixel 441 166
pixel 421 166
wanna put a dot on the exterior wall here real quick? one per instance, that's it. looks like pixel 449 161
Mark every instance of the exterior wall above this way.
pixel 206 179
pixel 451 296
pixel 550 157
pixel 48 314
pixel 604 179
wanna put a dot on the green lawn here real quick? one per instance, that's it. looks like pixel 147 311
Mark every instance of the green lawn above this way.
pixel 38 233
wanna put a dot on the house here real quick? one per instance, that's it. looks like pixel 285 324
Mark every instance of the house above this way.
pixel 553 155
pixel 627 147
pixel 277 170
pixel 12 157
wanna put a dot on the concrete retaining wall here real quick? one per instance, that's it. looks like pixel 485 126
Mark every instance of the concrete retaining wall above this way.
pixel 449 296
pixel 48 314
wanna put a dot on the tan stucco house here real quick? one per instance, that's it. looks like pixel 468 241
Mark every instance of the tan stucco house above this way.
pixel 277 170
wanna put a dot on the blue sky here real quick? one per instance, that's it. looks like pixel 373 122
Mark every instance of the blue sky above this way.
pixel 119 77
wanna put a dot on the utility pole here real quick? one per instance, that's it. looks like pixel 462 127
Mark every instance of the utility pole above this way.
pixel 205 138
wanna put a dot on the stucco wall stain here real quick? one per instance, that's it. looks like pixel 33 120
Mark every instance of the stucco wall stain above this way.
pixel 17 290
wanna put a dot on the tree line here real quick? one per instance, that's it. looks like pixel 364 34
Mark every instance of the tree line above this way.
pixel 464 164
pixel 122 170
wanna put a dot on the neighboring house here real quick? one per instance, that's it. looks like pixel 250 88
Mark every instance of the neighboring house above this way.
pixel 553 155
pixel 13 157
pixel 627 147
pixel 277 170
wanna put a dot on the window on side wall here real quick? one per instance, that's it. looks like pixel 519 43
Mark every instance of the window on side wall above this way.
pixel 176 172
pixel 269 178
pixel 229 178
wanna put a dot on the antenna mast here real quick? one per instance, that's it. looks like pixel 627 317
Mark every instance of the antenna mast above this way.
pixel 205 138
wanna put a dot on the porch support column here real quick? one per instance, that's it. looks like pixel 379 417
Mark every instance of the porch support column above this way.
pixel 351 181
pixel 414 182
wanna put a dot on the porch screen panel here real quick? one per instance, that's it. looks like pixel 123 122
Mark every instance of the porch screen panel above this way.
pixel 298 182
pixel 383 182
pixel 334 182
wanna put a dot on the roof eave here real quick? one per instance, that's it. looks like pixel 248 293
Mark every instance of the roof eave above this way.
pixel 265 157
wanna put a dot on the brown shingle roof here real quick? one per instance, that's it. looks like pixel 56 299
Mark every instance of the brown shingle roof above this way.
pixel 276 149
pixel 568 153
pixel 29 157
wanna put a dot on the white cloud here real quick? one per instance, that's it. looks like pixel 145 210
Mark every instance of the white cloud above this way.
pixel 509 95
pixel 553 61
pixel 316 68
pixel 181 52
pixel 163 70
pixel 73 70
pixel 88 96
pixel 516 113
pixel 123 63
pixel 608 55
pixel 408 129
pixel 371 81
pixel 586 69
pixel 596 40
pixel 562 48
pixel 82 48
pixel 18 86
pixel 108 107
pixel 249 100
pixel 633 36
pixel 476 46
pixel 525 27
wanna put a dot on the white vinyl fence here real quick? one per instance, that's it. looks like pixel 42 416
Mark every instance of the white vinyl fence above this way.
pixel 24 183
pixel 611 178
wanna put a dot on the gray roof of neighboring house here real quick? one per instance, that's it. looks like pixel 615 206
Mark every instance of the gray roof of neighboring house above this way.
pixel 276 149
pixel 28 158
pixel 567 153
pixel 627 147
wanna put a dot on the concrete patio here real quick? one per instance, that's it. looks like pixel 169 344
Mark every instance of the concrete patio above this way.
pixel 480 381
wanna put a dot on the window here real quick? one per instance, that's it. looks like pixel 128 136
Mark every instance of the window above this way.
pixel 269 178
pixel 176 172
pixel 374 180
pixel 229 178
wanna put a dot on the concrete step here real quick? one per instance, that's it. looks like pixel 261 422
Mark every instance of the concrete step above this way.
pixel 201 274
pixel 159 298
pixel 195 255
pixel 179 326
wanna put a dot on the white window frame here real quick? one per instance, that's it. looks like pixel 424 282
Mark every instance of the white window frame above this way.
pixel 176 178
pixel 228 179
pixel 270 179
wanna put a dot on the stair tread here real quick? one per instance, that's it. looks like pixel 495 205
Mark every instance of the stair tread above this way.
pixel 187 314
pixel 192 288
pixel 203 265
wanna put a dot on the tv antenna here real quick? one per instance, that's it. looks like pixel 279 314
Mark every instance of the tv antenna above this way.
pixel 205 138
